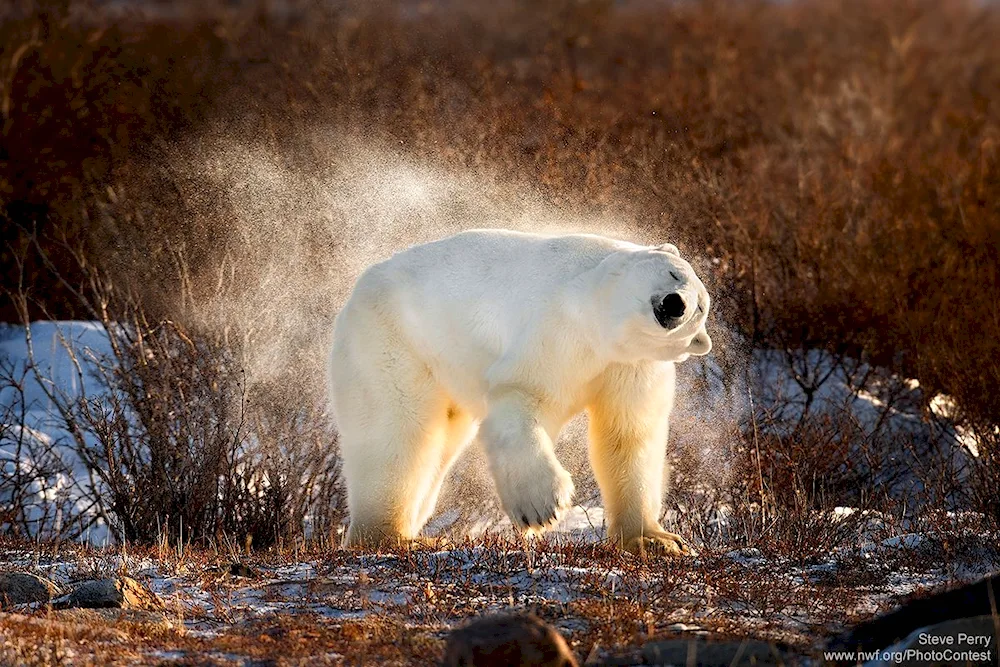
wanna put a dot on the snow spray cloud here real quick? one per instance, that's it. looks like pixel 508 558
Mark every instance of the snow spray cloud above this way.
pixel 307 225
pixel 305 235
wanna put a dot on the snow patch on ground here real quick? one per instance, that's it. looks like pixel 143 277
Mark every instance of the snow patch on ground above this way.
pixel 741 590
pixel 45 486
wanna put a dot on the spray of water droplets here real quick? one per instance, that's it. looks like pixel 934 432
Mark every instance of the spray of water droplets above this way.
pixel 305 230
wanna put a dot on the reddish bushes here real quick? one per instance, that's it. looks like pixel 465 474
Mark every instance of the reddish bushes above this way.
pixel 840 161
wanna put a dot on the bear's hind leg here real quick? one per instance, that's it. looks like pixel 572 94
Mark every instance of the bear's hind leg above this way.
pixel 460 429
pixel 390 473
pixel 392 425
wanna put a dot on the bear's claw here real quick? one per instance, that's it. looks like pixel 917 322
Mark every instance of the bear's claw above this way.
pixel 536 497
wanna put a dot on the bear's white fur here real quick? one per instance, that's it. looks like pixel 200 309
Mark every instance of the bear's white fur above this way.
pixel 513 334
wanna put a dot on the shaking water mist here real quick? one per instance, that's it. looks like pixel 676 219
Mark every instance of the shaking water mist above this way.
pixel 308 224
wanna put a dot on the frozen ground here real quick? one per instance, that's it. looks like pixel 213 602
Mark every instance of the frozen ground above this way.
pixel 338 607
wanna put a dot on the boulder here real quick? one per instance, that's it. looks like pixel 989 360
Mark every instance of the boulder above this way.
pixel 115 593
pixel 977 634
pixel 710 653
pixel 20 587
pixel 979 598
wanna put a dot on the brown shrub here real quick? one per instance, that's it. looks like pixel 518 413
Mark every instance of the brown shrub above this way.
pixel 837 162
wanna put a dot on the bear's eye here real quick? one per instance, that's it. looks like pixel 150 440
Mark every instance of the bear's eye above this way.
pixel 674 276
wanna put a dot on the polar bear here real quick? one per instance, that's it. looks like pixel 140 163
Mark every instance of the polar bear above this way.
pixel 512 334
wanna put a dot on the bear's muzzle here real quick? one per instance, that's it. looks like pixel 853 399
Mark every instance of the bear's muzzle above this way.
pixel 669 310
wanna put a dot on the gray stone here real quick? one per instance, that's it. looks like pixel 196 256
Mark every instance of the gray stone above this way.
pixel 978 598
pixel 20 587
pixel 708 653
pixel 242 570
pixel 497 641
pixel 115 593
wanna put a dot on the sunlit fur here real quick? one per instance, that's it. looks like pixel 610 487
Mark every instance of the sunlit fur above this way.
pixel 512 333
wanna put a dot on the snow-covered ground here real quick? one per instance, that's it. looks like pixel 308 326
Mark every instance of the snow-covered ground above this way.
pixel 602 601
pixel 45 487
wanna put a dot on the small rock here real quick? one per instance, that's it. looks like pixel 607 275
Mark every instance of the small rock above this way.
pixel 241 570
pixel 508 640
pixel 114 593
pixel 19 588
pixel 722 653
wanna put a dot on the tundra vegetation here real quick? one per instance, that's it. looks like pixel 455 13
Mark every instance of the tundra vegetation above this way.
pixel 831 168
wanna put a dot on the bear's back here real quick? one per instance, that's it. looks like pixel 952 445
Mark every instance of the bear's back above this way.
pixel 480 255
pixel 498 272
pixel 463 301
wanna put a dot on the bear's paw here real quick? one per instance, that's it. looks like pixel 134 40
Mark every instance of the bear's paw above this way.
pixel 535 494
pixel 660 543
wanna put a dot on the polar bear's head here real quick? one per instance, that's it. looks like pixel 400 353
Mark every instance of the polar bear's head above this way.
pixel 659 306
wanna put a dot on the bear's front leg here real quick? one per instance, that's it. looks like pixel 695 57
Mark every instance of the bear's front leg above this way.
pixel 628 436
pixel 535 490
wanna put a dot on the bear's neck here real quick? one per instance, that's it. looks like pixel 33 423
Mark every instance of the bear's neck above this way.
pixel 588 308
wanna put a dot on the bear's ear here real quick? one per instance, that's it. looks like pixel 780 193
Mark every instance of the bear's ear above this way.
pixel 700 345
pixel 671 248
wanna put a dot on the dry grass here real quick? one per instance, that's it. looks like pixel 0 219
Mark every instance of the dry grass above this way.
pixel 317 606
pixel 401 606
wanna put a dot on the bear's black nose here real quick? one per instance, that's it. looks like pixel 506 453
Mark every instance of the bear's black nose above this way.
pixel 670 308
